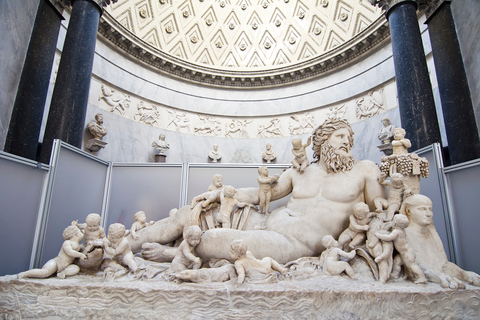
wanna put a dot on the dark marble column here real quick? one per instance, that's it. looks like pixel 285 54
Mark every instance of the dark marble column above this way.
pixel 27 113
pixel 460 125
pixel 415 97
pixel 70 96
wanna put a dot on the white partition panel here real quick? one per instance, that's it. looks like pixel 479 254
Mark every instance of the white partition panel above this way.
pixel 151 187
pixel 433 187
pixel 239 176
pixel 463 183
pixel 22 183
pixel 76 188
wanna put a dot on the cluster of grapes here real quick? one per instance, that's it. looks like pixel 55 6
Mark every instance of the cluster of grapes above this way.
pixel 403 165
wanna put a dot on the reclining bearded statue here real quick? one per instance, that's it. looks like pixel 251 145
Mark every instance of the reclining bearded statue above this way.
pixel 321 200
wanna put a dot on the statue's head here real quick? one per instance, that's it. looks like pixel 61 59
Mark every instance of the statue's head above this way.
pixel 99 117
pixel 399 133
pixel 418 209
pixel 72 231
pixel 332 143
pixel 238 249
pixel 93 221
pixel 385 121
pixel 193 235
pixel 229 191
pixel 329 241
pixel 116 231
pixel 217 180
pixel 140 216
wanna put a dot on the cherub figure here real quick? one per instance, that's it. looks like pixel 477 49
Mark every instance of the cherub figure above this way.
pixel 399 239
pixel 118 247
pixel 301 161
pixel 329 259
pixel 246 265
pixel 227 203
pixel 354 235
pixel 63 263
pixel 399 143
pixel 265 188
pixel 397 189
pixel 185 257
pixel 140 223
pixel 91 229
pixel 217 183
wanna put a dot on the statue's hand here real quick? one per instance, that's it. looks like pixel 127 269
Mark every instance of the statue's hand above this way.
pixel 152 251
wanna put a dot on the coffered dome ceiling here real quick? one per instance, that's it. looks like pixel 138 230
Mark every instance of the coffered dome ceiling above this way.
pixel 244 43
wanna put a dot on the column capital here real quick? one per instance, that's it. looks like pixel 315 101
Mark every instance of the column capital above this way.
pixel 427 6
pixel 387 4
pixel 431 6
pixel 104 3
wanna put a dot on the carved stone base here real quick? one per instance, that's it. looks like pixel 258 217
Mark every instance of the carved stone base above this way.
pixel 94 145
pixel 386 148
pixel 160 158
pixel 322 297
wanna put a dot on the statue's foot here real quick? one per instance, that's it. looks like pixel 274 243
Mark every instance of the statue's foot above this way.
pixel 61 275
pixel 22 275
pixel 421 280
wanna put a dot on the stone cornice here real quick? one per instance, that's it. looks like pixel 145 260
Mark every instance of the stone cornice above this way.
pixel 369 38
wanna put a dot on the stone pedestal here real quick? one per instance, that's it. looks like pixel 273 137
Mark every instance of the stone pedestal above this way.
pixel 323 297
pixel 386 148
pixel 160 158
pixel 95 145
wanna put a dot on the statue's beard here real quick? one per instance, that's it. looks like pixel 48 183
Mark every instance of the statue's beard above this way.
pixel 336 162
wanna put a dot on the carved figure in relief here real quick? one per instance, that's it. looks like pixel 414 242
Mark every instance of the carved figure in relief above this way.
pixel 214 155
pixel 300 162
pixel 119 102
pixel 397 189
pixel 272 130
pixel 370 105
pixel 227 203
pixel 209 126
pixel 269 155
pixel 427 245
pixel 296 230
pixel 63 263
pixel 247 266
pixel 140 223
pixel 405 252
pixel 161 145
pixel 400 144
pixel 147 114
pixel 265 188
pixel 386 133
pixel 355 235
pixel 337 113
pixel 91 229
pixel 96 127
pixel 118 248
pixel 237 129
pixel 301 124
pixel 330 258
pixel 180 121
pixel 185 257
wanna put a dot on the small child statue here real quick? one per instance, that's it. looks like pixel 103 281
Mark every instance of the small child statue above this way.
pixel 396 191
pixel 227 203
pixel 185 257
pixel 63 263
pixel 399 143
pixel 354 235
pixel 118 247
pixel 246 265
pixel 399 239
pixel 140 223
pixel 91 229
pixel 301 161
pixel 329 259
pixel 265 188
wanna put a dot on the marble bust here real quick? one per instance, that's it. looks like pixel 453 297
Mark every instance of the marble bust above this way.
pixel 98 131
pixel 386 133
pixel 269 155
pixel 161 145
pixel 214 155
